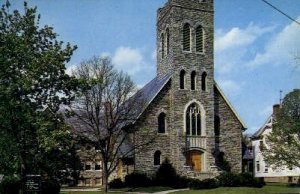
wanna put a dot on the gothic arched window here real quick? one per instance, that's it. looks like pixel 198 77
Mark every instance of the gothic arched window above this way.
pixel 199 39
pixel 162 46
pixel 161 123
pixel 193 120
pixel 193 80
pixel 203 81
pixel 186 37
pixel 182 79
pixel 168 40
pixel 157 158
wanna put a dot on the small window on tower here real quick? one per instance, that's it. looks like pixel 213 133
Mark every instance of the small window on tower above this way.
pixel 203 81
pixel 182 79
pixel 193 80
pixel 186 39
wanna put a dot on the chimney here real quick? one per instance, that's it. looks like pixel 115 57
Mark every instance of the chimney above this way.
pixel 276 108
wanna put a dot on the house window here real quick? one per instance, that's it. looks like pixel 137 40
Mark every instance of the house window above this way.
pixel 199 39
pixel 162 123
pixel 182 79
pixel 203 81
pixel 186 38
pixel 157 158
pixel 88 166
pixel 168 40
pixel 98 166
pixel 193 120
pixel 257 166
pixel 162 46
pixel 266 167
pixel 193 80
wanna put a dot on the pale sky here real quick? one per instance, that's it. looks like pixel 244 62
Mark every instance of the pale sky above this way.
pixel 254 45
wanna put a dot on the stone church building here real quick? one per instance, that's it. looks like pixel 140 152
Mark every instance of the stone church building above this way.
pixel 197 128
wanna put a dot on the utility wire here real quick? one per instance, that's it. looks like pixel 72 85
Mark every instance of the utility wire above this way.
pixel 281 12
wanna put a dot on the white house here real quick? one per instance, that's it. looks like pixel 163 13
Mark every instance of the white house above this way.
pixel 261 167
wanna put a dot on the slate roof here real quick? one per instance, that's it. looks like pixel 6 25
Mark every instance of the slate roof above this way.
pixel 148 93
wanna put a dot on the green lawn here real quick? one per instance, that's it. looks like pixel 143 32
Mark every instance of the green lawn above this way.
pixel 269 189
pixel 246 190
pixel 142 189
pixel 83 192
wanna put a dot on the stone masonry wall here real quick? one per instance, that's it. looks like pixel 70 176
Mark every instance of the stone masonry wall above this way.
pixel 144 158
pixel 230 133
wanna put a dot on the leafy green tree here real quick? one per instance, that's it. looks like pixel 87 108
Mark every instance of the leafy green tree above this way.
pixel 33 86
pixel 284 140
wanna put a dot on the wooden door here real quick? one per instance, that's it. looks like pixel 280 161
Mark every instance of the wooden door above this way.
pixel 196 161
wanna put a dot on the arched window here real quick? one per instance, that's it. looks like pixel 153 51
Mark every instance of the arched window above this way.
pixel 186 37
pixel 162 123
pixel 168 40
pixel 217 125
pixel 182 79
pixel 193 120
pixel 203 81
pixel 162 46
pixel 199 39
pixel 193 80
pixel 157 158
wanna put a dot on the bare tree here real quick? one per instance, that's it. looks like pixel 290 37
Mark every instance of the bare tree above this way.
pixel 107 106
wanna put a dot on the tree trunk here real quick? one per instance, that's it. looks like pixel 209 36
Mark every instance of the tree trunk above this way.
pixel 105 177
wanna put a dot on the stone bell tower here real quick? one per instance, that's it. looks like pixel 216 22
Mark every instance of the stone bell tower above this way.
pixel 185 49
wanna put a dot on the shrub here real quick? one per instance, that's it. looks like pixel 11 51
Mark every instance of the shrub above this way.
pixel 210 183
pixel 116 183
pixel 258 182
pixel 228 179
pixel 137 180
pixel 10 185
pixel 181 182
pixel 204 184
pixel 50 186
pixel 246 179
pixel 166 175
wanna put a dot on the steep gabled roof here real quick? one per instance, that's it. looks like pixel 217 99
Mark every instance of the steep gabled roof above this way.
pixel 230 106
pixel 149 92
pixel 266 125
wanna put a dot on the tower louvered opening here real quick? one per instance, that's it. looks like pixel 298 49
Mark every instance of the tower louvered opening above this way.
pixel 186 37
pixel 199 39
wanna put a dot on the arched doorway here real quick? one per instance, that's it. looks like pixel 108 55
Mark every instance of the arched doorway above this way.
pixel 194 159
